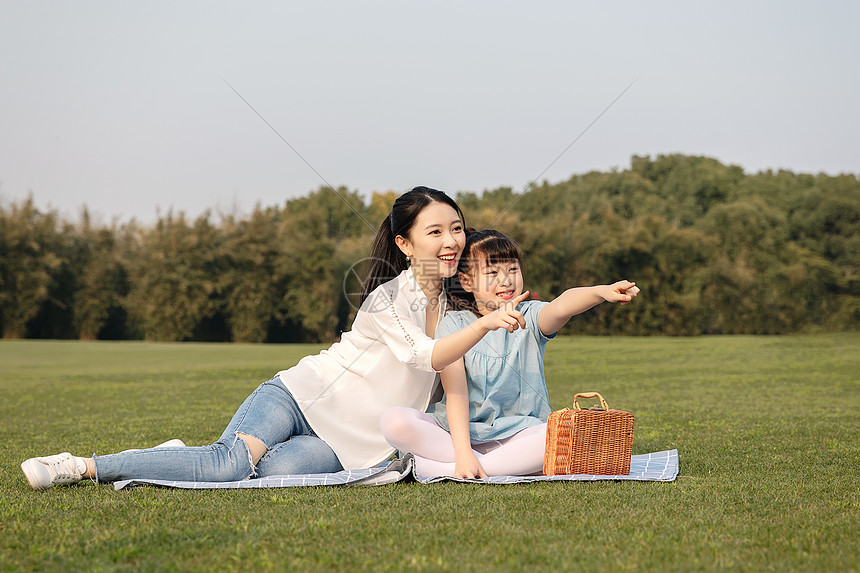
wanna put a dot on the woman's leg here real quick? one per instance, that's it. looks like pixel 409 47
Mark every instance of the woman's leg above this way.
pixel 268 416
pixel 308 454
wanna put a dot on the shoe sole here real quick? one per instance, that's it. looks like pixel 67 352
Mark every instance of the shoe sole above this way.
pixel 25 467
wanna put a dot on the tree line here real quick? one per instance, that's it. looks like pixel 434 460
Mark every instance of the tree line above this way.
pixel 714 249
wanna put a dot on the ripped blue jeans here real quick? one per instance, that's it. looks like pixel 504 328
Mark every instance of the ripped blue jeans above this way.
pixel 269 414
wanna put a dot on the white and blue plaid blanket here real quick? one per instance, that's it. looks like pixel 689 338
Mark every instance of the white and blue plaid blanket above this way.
pixel 658 466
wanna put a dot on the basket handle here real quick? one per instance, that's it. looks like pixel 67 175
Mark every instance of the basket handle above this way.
pixel 589 395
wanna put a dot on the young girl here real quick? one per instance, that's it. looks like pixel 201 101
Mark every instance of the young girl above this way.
pixel 492 419
pixel 323 414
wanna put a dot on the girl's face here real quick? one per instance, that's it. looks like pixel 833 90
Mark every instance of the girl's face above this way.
pixel 435 241
pixel 493 285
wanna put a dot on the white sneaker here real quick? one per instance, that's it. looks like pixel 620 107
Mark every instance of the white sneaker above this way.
pixel 174 443
pixel 49 471
pixel 65 468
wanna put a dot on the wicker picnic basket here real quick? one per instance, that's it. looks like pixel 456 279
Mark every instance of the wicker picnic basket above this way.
pixel 593 441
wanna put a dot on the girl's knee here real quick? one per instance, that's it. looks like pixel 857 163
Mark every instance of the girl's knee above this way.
pixel 537 432
pixel 395 421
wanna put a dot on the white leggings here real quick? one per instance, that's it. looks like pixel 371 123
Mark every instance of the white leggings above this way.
pixel 410 430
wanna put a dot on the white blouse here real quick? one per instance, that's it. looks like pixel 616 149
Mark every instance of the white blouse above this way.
pixel 384 361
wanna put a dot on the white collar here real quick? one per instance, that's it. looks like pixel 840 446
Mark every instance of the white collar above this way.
pixel 418 293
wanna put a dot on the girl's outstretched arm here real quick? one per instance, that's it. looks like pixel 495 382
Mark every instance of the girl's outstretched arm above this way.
pixel 457 406
pixel 577 300
pixel 451 348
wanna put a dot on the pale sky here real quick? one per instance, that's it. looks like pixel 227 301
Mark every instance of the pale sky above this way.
pixel 123 106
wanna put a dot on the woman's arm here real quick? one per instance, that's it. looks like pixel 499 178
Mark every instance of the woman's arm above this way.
pixel 457 402
pixel 393 321
pixel 577 300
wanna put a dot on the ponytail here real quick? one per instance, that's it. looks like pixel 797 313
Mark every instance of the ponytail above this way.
pixel 386 260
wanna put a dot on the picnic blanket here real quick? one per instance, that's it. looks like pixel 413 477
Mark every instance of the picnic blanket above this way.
pixel 658 466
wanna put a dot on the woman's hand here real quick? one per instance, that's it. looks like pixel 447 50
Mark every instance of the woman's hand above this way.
pixel 468 466
pixel 506 316
pixel 622 291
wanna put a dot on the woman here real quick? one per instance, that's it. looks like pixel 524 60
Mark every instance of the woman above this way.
pixel 323 414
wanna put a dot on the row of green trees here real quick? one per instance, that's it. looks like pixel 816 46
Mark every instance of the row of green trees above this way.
pixel 715 250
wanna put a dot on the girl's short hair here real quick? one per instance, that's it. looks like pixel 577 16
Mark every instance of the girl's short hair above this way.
pixel 488 246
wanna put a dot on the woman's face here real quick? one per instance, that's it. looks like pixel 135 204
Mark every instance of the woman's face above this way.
pixel 493 285
pixel 435 241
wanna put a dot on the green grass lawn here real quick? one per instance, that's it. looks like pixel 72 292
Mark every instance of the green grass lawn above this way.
pixel 767 431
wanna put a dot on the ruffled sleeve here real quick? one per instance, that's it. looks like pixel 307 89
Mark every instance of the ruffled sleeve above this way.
pixel 531 311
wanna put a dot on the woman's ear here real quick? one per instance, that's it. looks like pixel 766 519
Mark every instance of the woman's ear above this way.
pixel 403 244
pixel 465 282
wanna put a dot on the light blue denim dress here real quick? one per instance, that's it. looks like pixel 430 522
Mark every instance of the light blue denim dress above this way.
pixel 504 371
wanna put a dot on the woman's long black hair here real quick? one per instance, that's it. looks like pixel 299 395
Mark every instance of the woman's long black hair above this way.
pixel 489 245
pixel 386 258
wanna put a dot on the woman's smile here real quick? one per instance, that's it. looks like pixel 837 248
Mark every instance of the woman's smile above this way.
pixel 448 259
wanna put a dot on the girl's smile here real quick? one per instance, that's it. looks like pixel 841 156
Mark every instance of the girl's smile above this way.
pixel 492 284
pixel 507 294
